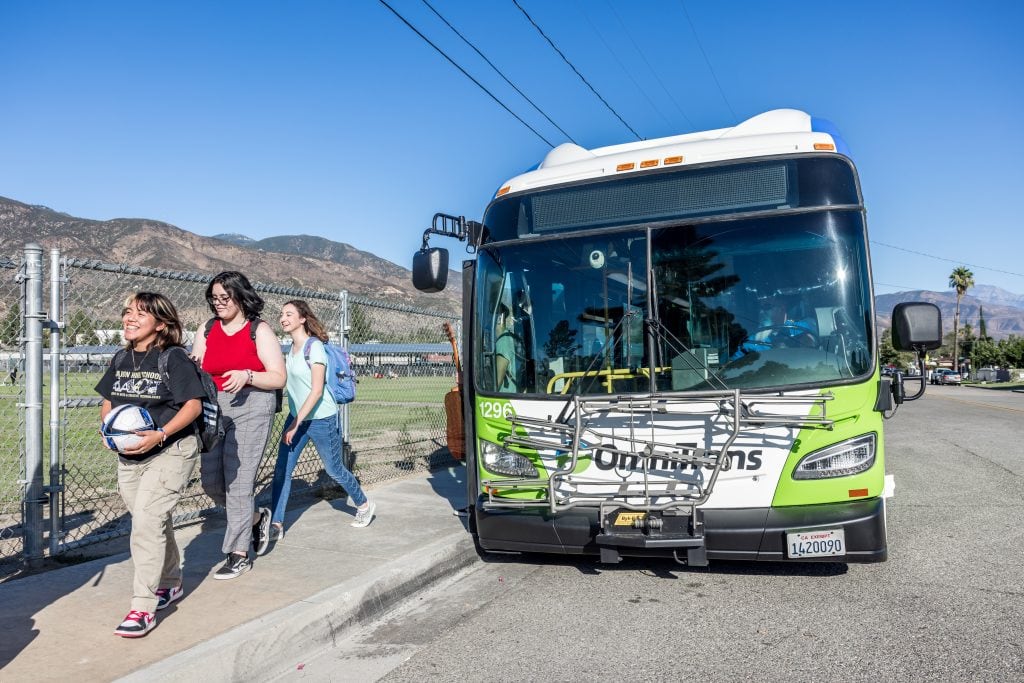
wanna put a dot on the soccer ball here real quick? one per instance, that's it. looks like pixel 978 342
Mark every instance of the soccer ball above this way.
pixel 122 422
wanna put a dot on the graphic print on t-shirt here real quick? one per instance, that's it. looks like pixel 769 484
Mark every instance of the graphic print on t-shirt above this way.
pixel 136 385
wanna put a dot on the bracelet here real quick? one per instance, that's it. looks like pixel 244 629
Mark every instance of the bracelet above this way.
pixel 163 435
pixel 249 381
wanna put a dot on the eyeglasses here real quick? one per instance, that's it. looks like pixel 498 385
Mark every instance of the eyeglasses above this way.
pixel 214 299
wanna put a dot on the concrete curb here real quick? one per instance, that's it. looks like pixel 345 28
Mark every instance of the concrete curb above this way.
pixel 313 624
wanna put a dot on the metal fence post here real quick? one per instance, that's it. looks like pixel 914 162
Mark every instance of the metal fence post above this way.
pixel 34 500
pixel 343 325
pixel 55 323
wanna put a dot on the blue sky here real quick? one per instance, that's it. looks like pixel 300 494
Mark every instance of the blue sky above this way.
pixel 335 119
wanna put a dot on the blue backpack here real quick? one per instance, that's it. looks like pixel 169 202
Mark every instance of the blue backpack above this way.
pixel 341 378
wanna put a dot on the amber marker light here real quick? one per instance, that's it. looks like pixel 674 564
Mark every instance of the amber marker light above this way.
pixel 824 146
pixel 503 190
pixel 673 160
pixel 858 493
pixel 649 163
pixel 626 167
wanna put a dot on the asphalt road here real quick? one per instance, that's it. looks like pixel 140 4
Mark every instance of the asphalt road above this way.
pixel 948 605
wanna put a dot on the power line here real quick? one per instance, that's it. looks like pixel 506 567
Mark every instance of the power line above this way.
pixel 649 66
pixel 899 287
pixel 706 60
pixel 941 258
pixel 577 71
pixel 491 64
pixel 464 72
pixel 622 66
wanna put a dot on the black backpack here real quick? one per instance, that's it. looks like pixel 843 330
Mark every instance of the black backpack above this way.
pixel 208 427
pixel 254 323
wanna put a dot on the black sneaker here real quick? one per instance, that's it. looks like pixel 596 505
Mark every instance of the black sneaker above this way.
pixel 234 566
pixel 165 596
pixel 261 532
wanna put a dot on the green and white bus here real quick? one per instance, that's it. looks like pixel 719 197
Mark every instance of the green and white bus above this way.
pixel 669 349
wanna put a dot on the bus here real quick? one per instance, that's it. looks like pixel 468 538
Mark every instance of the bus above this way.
pixel 669 350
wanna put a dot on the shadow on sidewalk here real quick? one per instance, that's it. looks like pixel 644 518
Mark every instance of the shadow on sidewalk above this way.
pixel 450 483
pixel 201 554
pixel 22 599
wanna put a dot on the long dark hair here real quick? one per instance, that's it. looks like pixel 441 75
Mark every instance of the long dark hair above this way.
pixel 314 328
pixel 240 290
pixel 163 311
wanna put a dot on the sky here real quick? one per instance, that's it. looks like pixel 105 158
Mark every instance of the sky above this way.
pixel 336 119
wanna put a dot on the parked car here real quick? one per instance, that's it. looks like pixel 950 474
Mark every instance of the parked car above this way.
pixel 950 377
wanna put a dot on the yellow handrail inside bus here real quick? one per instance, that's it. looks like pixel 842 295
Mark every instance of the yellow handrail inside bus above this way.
pixel 609 375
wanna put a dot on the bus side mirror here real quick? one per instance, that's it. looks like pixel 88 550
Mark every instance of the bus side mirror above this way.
pixel 430 269
pixel 916 326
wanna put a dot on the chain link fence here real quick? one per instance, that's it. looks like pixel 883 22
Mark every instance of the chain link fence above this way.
pixel 396 425
pixel 12 395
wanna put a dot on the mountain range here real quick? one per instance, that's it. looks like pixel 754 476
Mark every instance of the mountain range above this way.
pixel 1003 310
pixel 306 261
pixel 300 261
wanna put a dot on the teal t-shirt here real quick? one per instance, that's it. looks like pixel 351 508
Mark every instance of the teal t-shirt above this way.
pixel 300 381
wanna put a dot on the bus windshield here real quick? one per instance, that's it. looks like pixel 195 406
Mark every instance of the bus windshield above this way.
pixel 757 303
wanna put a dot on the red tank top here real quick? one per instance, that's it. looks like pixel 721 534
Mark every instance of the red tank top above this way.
pixel 230 352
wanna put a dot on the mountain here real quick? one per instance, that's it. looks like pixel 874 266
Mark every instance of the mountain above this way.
pixel 338 252
pixel 236 238
pixel 1000 320
pixel 298 261
pixel 995 295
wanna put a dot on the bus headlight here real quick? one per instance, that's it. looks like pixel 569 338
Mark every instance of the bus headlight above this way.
pixel 503 461
pixel 841 460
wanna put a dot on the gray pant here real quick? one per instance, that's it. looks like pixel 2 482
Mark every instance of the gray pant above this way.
pixel 229 470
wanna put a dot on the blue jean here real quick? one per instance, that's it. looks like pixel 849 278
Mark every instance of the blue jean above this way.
pixel 327 439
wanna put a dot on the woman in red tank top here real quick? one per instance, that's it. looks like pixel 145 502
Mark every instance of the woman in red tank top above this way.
pixel 243 355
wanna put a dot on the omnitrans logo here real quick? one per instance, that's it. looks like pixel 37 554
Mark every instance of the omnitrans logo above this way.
pixel 609 460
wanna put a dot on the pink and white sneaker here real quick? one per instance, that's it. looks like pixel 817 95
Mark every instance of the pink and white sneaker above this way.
pixel 136 624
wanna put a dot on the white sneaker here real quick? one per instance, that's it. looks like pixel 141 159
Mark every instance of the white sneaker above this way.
pixel 365 516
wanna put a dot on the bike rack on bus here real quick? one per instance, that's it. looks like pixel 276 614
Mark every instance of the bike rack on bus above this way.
pixel 667 513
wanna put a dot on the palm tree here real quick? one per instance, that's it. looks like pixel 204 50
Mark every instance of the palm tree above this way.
pixel 961 279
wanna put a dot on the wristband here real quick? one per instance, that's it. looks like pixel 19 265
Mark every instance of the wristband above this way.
pixel 249 381
pixel 163 435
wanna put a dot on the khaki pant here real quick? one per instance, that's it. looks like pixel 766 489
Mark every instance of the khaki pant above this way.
pixel 151 489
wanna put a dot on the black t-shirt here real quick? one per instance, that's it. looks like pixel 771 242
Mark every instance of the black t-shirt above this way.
pixel 137 380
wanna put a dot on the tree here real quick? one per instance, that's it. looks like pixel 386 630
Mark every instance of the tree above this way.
pixel 10 326
pixel 967 340
pixel 982 331
pixel 1012 350
pixel 80 329
pixel 986 354
pixel 888 355
pixel 961 279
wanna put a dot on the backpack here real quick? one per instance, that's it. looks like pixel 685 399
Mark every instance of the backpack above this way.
pixel 208 427
pixel 341 378
pixel 253 324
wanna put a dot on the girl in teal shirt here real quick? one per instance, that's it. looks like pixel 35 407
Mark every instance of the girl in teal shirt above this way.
pixel 312 414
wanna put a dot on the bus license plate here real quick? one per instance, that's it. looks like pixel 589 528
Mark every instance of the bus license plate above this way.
pixel 823 543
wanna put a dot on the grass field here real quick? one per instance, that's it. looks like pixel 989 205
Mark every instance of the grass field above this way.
pixel 389 418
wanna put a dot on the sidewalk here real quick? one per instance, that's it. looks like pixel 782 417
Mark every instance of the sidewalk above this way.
pixel 323 577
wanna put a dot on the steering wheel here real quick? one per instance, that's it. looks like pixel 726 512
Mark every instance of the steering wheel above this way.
pixel 783 336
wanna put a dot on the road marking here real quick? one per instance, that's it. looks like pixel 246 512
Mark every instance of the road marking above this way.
pixel 975 403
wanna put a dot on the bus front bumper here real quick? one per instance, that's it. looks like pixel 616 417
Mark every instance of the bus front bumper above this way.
pixel 729 534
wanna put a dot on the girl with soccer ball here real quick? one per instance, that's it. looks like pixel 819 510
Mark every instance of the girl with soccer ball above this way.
pixel 153 469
